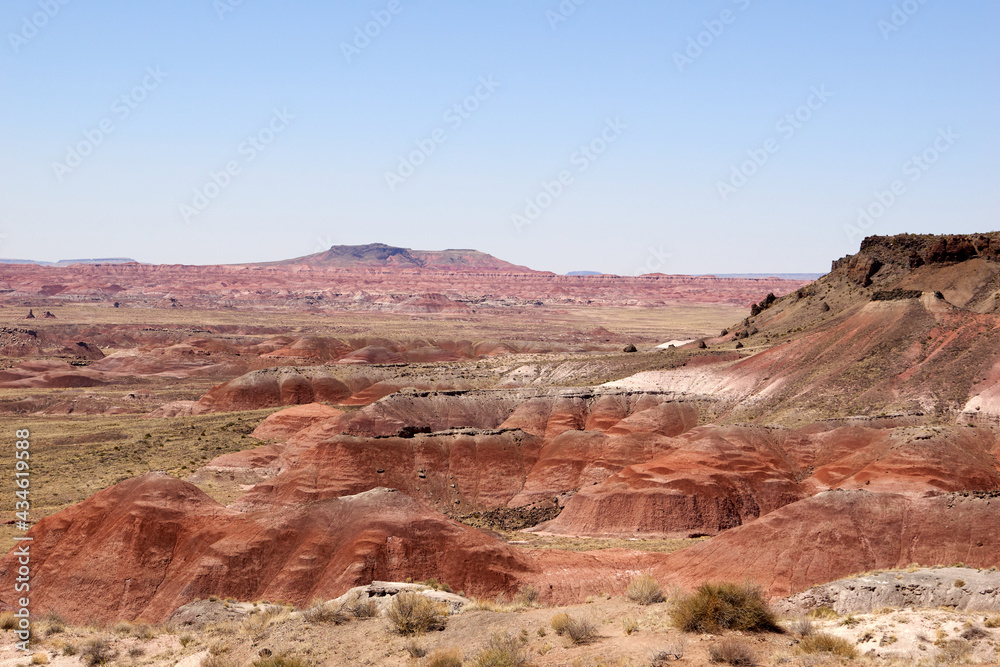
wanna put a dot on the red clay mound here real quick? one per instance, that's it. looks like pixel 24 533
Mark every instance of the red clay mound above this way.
pixel 372 354
pixel 283 424
pixel 913 459
pixel 50 374
pixel 436 411
pixel 575 410
pixel 274 387
pixel 709 480
pixel 311 348
pixel 457 472
pixel 146 546
pixel 840 533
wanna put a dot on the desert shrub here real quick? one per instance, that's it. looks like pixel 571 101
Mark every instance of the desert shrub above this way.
pixel 581 630
pixel 958 583
pixel 97 652
pixel 502 650
pixel 8 621
pixel 672 651
pixel 69 649
pixel 802 626
pixel 974 632
pixel 185 640
pixel 280 661
pixel 323 613
pixel 444 658
pixel 361 607
pixel 715 607
pixel 40 659
pixel 992 622
pixel 954 650
pixel 644 589
pixel 559 623
pixel 732 651
pixel 527 596
pixel 629 625
pixel 821 642
pixel 413 613
pixel 415 650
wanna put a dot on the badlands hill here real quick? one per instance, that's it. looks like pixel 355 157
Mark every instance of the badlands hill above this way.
pixel 910 325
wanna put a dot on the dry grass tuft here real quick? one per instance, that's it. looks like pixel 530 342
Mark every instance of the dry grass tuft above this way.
pixel 527 596
pixel 802 626
pixel 444 658
pixel 715 607
pixel 321 612
pixel 502 650
pixel 992 622
pixel 577 630
pixel 821 642
pixel 97 651
pixel 644 589
pixel 8 621
pixel 823 612
pixel 413 613
pixel 733 651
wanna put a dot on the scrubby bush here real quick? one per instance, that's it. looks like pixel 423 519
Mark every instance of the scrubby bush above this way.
pixel 644 589
pixel 559 623
pixel 502 650
pixel 413 613
pixel 992 622
pixel 732 651
pixel 361 607
pixel 324 613
pixel 577 630
pixel 8 621
pixel 527 596
pixel 802 626
pixel 821 642
pixel 716 607
pixel 217 661
pixel 97 652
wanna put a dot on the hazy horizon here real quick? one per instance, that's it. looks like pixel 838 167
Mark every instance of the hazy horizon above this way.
pixel 728 137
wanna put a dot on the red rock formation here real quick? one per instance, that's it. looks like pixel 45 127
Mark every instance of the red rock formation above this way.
pixel 146 546
pixel 283 424
pixel 840 533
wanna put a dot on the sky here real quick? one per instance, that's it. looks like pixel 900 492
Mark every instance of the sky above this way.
pixel 722 136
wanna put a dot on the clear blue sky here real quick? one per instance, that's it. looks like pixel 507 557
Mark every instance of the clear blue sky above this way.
pixel 673 128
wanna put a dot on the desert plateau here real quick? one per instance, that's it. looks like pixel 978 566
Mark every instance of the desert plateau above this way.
pixel 234 464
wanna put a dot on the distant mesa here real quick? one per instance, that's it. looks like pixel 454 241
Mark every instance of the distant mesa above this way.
pixel 585 273
pixel 376 255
